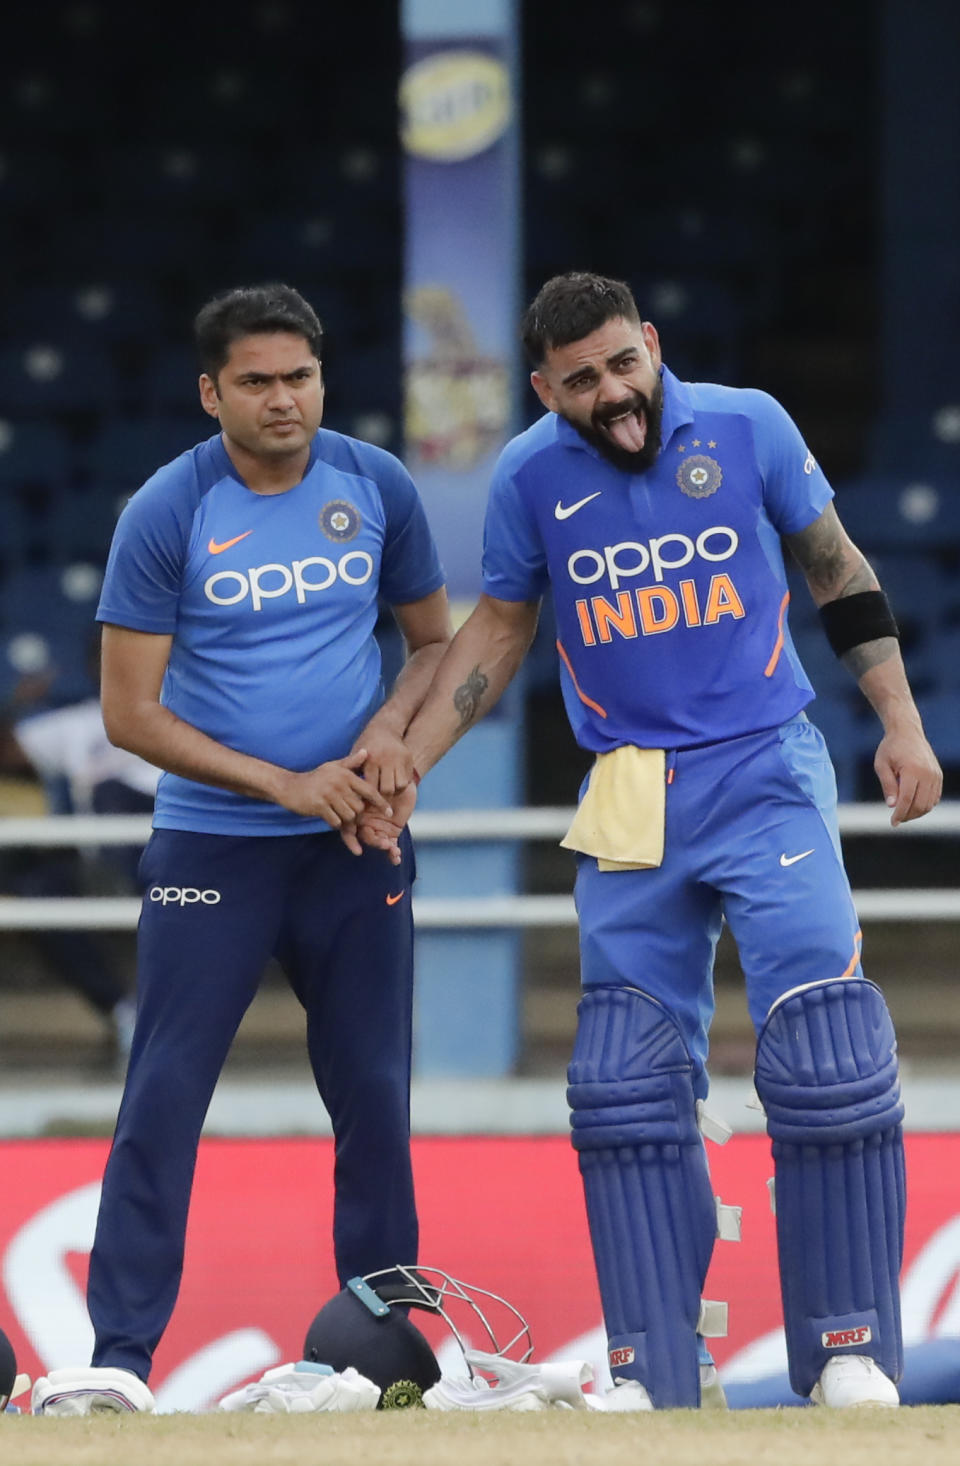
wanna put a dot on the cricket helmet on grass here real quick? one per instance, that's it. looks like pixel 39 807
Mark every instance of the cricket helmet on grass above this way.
pixel 366 1325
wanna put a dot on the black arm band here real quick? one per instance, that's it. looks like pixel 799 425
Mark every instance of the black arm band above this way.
pixel 852 620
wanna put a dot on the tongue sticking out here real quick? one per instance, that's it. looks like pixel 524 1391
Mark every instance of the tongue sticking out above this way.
pixel 628 432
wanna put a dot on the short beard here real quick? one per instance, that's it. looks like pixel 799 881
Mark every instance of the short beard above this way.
pixel 623 458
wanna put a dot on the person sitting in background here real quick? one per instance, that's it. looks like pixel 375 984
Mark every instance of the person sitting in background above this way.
pixel 81 772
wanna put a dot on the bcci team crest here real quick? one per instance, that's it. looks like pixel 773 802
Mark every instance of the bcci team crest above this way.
pixel 339 520
pixel 699 476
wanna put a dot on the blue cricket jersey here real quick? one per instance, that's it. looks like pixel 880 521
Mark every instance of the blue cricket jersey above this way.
pixel 669 586
pixel 272 603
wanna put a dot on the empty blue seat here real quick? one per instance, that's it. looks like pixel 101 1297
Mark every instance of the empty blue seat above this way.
pixel 826 672
pixel 940 712
pixel 87 310
pixel 851 738
pixel 926 443
pixel 170 379
pixel 122 453
pixel 51 599
pixel 167 176
pixel 901 514
pixel 34 451
pixel 122 308
pixel 934 664
pixel 49 374
pixel 328 237
pixel 80 525
pixel 232 101
pixel 127 451
pixel 147 241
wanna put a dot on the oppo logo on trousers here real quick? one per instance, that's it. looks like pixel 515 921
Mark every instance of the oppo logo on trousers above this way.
pixel 183 896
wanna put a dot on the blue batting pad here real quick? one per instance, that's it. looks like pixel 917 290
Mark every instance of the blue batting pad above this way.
pixel 827 1076
pixel 650 1205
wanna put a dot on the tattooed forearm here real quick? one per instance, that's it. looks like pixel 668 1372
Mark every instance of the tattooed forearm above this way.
pixel 860 659
pixel 860 578
pixel 819 556
pixel 831 563
pixel 467 697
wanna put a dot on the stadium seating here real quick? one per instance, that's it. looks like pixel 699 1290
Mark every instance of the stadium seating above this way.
pixel 902 514
pixel 940 712
pixel 829 676
pixel 48 375
pixel 126 451
pixel 852 738
pixel 31 452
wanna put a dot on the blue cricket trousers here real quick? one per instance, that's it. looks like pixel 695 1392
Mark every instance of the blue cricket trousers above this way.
pixel 216 908
pixel 751 838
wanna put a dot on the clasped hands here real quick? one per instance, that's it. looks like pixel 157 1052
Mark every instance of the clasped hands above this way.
pixel 387 768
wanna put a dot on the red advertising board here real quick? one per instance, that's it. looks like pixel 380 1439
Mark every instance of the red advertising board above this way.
pixel 504 1213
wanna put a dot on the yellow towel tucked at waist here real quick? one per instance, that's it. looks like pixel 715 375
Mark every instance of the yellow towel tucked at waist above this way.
pixel 620 818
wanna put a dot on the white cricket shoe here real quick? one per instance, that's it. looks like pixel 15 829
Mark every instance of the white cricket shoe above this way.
pixel 854 1379
pixel 627 1394
pixel 90 1392
pixel 712 1396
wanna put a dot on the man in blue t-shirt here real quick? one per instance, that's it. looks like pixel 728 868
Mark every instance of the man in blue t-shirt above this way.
pixel 238 608
pixel 654 510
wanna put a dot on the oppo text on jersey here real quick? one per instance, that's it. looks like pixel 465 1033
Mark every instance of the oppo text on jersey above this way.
pixel 665 552
pixel 654 608
pixel 304 577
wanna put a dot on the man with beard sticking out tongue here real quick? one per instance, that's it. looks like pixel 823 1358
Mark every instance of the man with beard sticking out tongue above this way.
pixel 654 510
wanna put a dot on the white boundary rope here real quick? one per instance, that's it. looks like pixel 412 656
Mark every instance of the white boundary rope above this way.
pixel 121 913
pixel 542 822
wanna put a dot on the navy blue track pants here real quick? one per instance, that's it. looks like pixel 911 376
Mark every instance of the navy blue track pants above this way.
pixel 215 909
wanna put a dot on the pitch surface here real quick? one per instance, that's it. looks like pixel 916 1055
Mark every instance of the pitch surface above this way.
pixel 558 1438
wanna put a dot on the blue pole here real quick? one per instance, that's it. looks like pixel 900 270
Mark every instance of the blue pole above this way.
pixel 458 98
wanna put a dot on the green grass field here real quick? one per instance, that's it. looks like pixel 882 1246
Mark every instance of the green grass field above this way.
pixel 554 1438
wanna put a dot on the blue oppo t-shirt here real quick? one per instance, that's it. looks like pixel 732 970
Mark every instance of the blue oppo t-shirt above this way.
pixel 669 586
pixel 272 603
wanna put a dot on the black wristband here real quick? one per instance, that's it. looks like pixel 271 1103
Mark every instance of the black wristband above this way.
pixel 852 620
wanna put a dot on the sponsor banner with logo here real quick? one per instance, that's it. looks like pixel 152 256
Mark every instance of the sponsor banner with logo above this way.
pixel 503 1214
pixel 457 98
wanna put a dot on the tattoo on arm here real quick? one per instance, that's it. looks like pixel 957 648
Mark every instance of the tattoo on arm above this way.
pixel 467 697
pixel 860 659
pixel 831 564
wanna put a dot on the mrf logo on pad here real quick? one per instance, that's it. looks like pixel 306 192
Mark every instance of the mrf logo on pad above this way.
pixel 843 1338
pixel 622 1356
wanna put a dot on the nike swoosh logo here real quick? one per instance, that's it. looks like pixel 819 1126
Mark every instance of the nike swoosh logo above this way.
pixel 392 900
pixel 564 511
pixel 792 859
pixel 216 549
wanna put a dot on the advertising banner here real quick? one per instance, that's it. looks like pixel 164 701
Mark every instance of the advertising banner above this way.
pixel 504 1214
pixel 457 99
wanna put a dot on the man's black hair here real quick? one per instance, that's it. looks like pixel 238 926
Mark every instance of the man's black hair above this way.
pixel 570 307
pixel 249 311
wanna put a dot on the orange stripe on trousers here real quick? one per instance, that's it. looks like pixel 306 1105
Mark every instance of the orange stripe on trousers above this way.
pixel 858 939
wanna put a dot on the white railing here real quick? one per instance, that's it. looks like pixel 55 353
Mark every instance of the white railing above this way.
pixel 118 913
